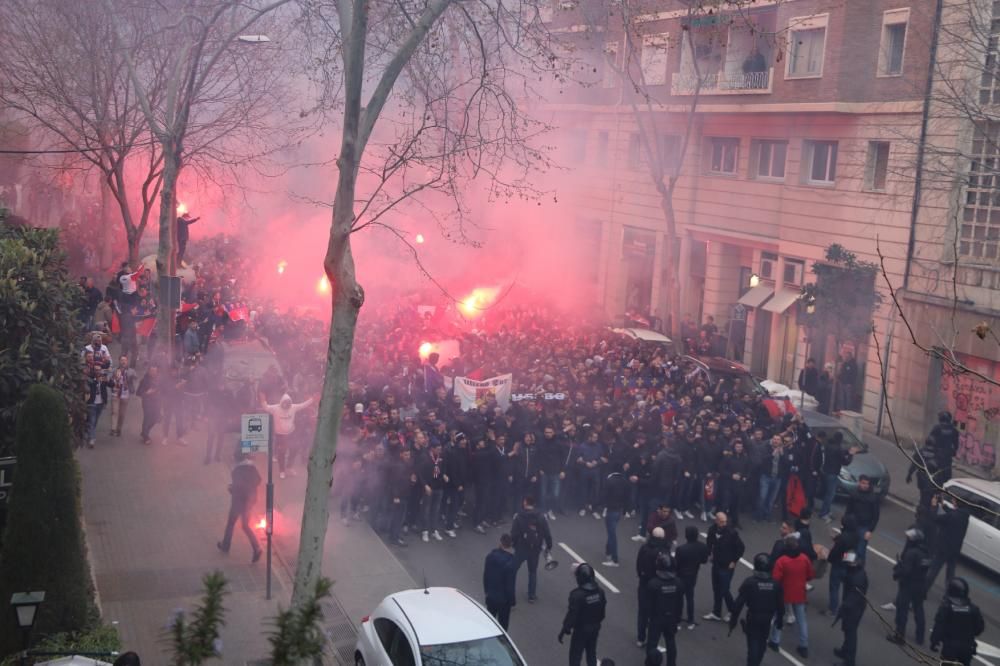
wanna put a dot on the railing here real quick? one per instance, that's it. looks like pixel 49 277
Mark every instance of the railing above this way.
pixel 724 83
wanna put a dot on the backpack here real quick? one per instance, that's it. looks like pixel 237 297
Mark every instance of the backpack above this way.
pixel 532 534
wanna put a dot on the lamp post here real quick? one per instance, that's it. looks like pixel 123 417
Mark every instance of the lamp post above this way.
pixel 754 280
pixel 807 299
pixel 25 605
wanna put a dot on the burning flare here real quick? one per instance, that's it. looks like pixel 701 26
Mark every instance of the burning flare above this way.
pixel 262 524
pixel 181 208
pixel 479 300
pixel 419 238
pixel 323 286
pixel 425 350
pixel 282 265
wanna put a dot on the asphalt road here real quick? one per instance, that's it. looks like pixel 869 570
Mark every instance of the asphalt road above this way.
pixel 458 562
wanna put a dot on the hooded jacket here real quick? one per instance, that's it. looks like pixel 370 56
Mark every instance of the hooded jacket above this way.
pixel 793 570
pixel 645 561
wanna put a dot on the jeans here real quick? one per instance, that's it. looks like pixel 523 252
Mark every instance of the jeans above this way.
pixel 397 514
pixel 241 514
pixel 500 611
pixel 611 523
pixel 551 487
pixel 800 622
pixel 935 568
pixel 531 557
pixel 862 548
pixel 150 416
pixel 454 498
pixel 837 575
pixel 769 486
pixel 430 507
pixel 829 492
pixel 590 485
pixel 722 578
pixel 93 416
pixel 906 599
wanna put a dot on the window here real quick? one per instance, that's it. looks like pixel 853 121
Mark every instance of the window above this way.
pixel 768 260
pixel 890 58
pixel 495 651
pixel 980 232
pixel 877 166
pixel 636 151
pixel 989 82
pixel 394 641
pixel 610 77
pixel 819 162
pixel 806 41
pixel 602 147
pixel 722 154
pixel 768 159
pixel 794 270
pixel 654 59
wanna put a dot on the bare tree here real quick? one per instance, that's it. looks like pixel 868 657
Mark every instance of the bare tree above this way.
pixel 431 98
pixel 219 95
pixel 61 73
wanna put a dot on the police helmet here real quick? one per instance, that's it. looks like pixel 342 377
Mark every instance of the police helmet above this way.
pixel 914 534
pixel 664 562
pixel 584 574
pixel 944 417
pixel 761 562
pixel 958 588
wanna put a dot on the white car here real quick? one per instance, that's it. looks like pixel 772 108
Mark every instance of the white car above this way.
pixel 436 626
pixel 982 540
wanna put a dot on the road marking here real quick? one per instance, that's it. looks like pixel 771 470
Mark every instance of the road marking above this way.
pixel 986 650
pixel 901 503
pixel 604 581
pixel 882 555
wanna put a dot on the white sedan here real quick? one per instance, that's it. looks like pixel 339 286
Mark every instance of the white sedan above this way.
pixel 436 626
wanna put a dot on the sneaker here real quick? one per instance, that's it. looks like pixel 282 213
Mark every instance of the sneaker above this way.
pixel 692 625
pixel 889 606
pixel 809 587
pixel 610 563
pixel 292 472
pixel 550 515
pixel 400 543
pixel 640 644
pixel 827 519
pixel 424 537
pixel 583 512
pixel 221 547
pixel 183 442
pixel 91 443
pixel 451 533
pixel 688 515
pixel 479 529
pixel 638 537
pixel 532 600
pixel 790 619
pixel 356 516
pixel 281 475
pixel 406 529
pixel 704 517
pixel 727 618
pixel 604 512
pixel 774 646
pixel 712 617
pixel 596 516
pixel 437 535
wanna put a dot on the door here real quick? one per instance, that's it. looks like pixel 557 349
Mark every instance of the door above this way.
pixel 394 642
pixel 761 342
pixel 982 541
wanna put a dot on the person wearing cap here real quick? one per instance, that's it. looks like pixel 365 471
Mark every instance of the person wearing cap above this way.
pixel 945 436
pixel 499 576
pixel 764 601
pixel 584 616
pixel 957 623
pixel 645 568
pixel 910 573
pixel 283 423
pixel 852 608
pixel 665 599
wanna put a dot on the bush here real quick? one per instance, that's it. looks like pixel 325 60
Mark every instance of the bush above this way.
pixel 39 330
pixel 44 546
pixel 102 639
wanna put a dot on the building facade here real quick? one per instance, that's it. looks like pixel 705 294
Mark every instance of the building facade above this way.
pixel 803 134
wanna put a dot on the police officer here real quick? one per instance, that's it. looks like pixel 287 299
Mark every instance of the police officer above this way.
pixel 945 436
pixel 956 625
pixel 584 616
pixel 911 574
pixel 852 608
pixel 665 598
pixel 765 602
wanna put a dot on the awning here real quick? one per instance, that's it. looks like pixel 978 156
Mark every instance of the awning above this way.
pixel 756 296
pixel 782 300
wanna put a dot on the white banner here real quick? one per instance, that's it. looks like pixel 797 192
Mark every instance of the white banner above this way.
pixel 473 392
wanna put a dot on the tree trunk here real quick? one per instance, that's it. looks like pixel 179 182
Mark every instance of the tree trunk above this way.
pixel 166 254
pixel 133 248
pixel 107 250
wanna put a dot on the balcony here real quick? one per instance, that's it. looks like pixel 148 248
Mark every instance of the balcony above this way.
pixel 723 83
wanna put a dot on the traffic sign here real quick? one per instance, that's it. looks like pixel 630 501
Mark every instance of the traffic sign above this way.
pixel 255 430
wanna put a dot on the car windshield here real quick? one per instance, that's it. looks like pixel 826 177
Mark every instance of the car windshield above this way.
pixel 850 441
pixel 493 651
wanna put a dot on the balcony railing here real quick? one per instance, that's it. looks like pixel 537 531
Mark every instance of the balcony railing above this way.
pixel 724 83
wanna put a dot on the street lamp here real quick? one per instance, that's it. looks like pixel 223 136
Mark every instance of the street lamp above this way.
pixel 754 280
pixel 26 608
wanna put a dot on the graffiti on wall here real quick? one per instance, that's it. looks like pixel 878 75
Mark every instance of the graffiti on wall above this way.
pixel 975 404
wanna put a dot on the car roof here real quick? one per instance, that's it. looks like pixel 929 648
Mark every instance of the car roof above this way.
pixel 719 364
pixel 445 615
pixel 644 334
pixel 990 489
pixel 821 420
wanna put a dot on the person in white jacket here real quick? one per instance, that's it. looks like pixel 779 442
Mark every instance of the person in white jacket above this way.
pixel 283 422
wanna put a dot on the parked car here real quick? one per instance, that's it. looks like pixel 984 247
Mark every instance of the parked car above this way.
pixel 735 376
pixel 864 462
pixel 436 626
pixel 982 541
pixel 647 337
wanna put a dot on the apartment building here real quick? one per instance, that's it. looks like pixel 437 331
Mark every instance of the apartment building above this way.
pixel 804 133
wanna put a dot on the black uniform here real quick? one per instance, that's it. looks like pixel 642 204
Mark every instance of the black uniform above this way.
pixel 851 610
pixel 911 574
pixel 765 602
pixel 645 569
pixel 583 622
pixel 664 598
pixel 956 625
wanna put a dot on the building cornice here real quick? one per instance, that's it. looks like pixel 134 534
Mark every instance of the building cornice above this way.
pixel 849 108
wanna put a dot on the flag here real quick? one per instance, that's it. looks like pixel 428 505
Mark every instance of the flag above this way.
pixel 474 393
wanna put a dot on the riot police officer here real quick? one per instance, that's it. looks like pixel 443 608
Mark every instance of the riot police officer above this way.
pixel 765 602
pixel 584 616
pixel 664 599
pixel 910 572
pixel 956 625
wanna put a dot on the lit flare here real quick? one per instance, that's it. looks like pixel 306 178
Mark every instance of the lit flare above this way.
pixel 282 265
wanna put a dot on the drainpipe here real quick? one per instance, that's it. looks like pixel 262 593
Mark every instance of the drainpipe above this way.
pixel 922 144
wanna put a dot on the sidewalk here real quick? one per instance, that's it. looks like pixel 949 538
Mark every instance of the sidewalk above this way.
pixel 153 515
pixel 898 465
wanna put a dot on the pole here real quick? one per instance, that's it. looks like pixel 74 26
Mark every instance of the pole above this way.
pixel 802 390
pixel 269 506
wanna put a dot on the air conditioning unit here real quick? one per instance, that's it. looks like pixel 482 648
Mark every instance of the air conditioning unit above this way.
pixel 767 268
